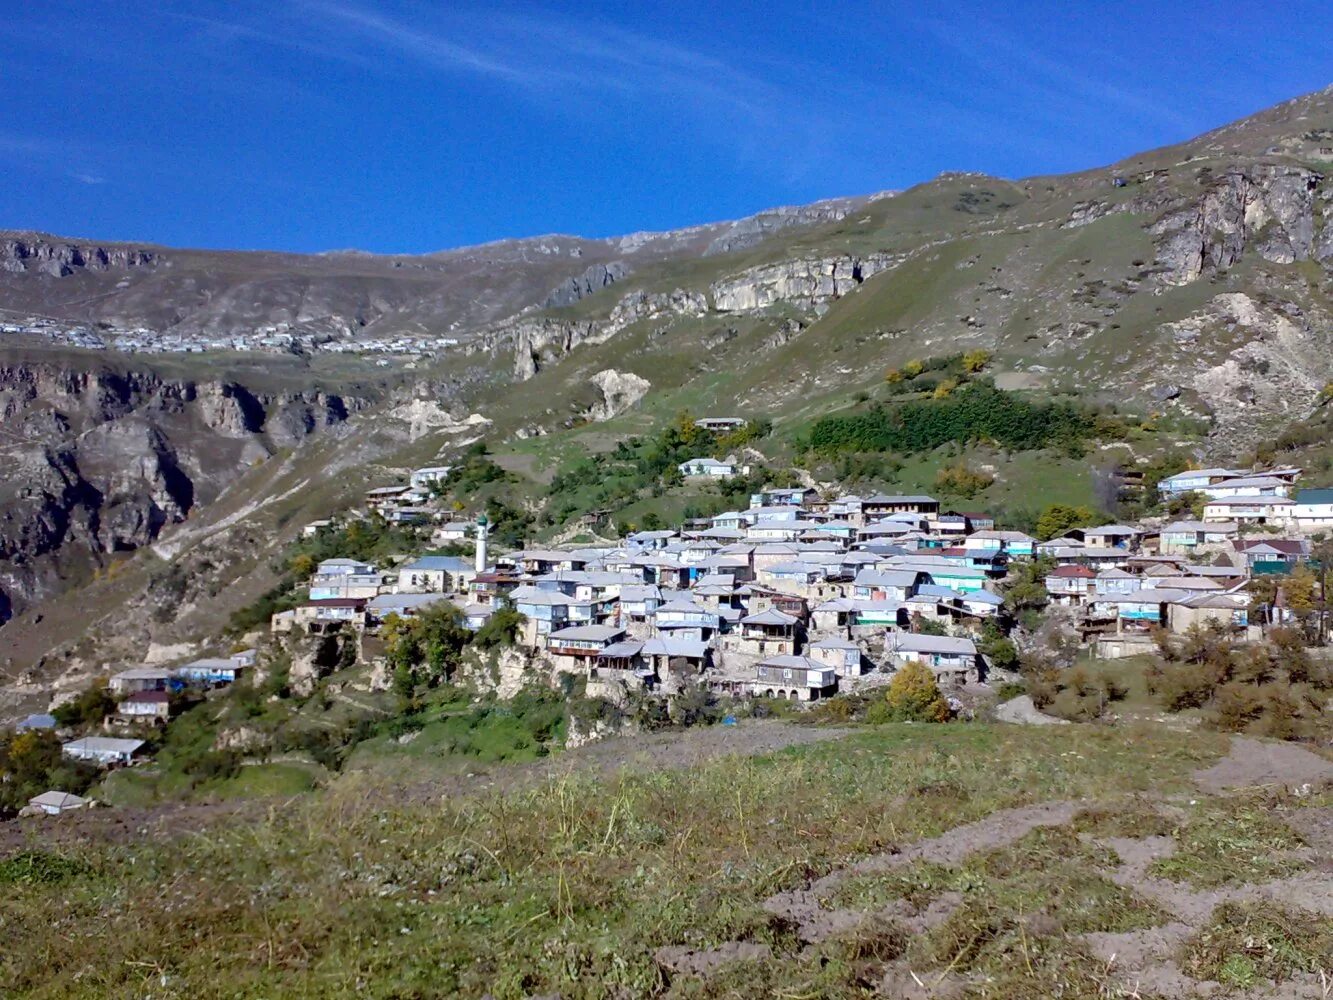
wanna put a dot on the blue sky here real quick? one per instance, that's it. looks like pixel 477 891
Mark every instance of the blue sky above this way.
pixel 396 126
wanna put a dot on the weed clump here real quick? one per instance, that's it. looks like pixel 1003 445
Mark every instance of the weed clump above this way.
pixel 1233 846
pixel 40 868
pixel 1247 942
pixel 1136 819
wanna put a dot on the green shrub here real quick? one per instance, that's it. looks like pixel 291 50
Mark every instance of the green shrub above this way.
pixel 40 868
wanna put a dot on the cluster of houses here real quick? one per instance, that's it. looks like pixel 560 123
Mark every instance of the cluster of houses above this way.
pixel 797 596
pixel 144 697
pixel 1268 497
pixel 279 338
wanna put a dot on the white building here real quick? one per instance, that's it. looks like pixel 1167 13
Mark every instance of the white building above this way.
pixel 102 750
pixel 435 575
pixel 54 803
pixel 1250 509
pixel 711 468
pixel 422 478
pixel 1313 510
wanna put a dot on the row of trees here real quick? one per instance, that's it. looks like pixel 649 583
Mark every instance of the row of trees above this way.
pixel 1275 688
pixel 973 413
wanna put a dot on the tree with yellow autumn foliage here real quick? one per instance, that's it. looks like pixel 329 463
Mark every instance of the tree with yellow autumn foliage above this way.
pixel 913 696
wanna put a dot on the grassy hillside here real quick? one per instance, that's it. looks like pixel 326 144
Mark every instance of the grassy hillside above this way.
pixel 573 885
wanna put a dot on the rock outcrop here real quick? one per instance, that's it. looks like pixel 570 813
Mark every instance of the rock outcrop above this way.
pixel 1267 209
pixel 620 391
pixel 103 460
pixel 1276 371
pixel 538 340
pixel 61 259
pixel 745 233
pixel 804 283
pixel 593 280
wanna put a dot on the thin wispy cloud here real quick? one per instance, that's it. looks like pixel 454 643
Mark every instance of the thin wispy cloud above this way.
pixel 89 179
pixel 12 145
pixel 1053 84
pixel 545 58
pixel 431 47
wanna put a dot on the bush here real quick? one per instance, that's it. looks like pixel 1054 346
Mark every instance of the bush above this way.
pixel 1186 685
pixel 1059 518
pixel 88 709
pixel 961 480
pixel 913 696
pixel 1271 689
pixel 501 629
pixel 1235 706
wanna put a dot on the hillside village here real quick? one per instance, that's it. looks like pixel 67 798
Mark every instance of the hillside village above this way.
pixel 799 598
pixel 920 594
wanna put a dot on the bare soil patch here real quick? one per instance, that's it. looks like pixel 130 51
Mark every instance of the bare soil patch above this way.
pixel 1255 764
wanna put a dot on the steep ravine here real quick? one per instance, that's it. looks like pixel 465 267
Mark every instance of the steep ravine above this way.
pixel 99 461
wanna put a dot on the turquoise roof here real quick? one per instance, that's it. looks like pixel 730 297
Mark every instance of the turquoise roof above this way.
pixel 1315 496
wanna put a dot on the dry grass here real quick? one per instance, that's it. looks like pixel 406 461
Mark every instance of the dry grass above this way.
pixel 1247 942
pixel 568 887
pixel 1228 843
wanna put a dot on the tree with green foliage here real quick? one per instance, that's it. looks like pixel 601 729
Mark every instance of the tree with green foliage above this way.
pixel 927 626
pixel 509 526
pixel 1059 519
pixel 1026 588
pixel 913 696
pixel 428 644
pixel 93 704
pixel 997 647
pixel 977 411
pixel 1188 505
pixel 748 433
pixel 501 629
pixel 31 763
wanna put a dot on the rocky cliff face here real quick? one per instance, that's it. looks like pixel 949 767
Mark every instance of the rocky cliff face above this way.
pixel 1268 210
pixel 103 460
pixel 538 340
pixel 745 233
pixel 594 279
pixel 61 259
pixel 806 283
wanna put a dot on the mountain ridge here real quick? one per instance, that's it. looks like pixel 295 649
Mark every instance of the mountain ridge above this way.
pixel 1187 285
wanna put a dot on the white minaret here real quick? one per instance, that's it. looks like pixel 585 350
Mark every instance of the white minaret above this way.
pixel 482 528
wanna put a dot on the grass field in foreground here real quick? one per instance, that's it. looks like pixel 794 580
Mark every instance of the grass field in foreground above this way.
pixel 566 888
